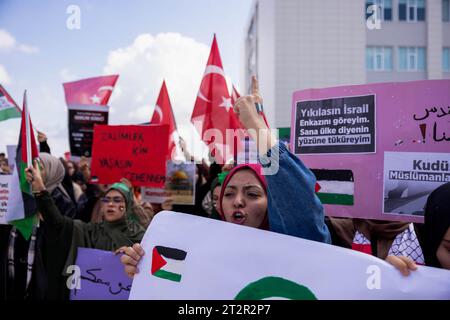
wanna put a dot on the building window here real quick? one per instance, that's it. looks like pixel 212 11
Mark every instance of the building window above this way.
pixel 446 10
pixel 446 59
pixel 412 59
pixel 385 9
pixel 379 58
pixel 411 10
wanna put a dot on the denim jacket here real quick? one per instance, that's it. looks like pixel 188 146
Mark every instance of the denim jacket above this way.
pixel 294 208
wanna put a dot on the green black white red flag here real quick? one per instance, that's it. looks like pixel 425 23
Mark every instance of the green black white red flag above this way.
pixel 8 107
pixel 27 151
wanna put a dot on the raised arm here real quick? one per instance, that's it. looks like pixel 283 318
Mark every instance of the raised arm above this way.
pixel 294 208
pixel 44 201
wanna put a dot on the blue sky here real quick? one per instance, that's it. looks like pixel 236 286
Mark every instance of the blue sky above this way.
pixel 46 53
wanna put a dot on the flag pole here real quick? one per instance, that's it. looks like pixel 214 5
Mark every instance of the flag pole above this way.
pixel 27 130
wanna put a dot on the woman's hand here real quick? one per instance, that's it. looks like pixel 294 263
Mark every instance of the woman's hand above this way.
pixel 130 259
pixel 402 263
pixel 252 120
pixel 127 182
pixel 245 108
pixel 34 177
pixel 120 250
pixel 83 165
pixel 167 204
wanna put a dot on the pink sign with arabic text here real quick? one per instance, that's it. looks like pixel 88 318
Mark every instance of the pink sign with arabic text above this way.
pixel 377 150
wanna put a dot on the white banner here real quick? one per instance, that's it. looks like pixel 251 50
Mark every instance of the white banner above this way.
pixel 4 196
pixel 190 257
pixel 11 204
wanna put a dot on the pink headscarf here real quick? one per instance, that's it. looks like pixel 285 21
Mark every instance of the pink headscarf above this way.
pixel 256 169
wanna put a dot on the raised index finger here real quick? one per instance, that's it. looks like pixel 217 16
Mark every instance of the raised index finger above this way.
pixel 255 85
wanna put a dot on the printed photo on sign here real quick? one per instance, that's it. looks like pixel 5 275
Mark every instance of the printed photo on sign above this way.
pixel 181 182
pixel 337 125
pixel 410 177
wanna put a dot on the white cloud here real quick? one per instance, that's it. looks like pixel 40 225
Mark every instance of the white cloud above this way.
pixel 67 76
pixel 143 65
pixel 27 49
pixel 9 43
pixel 4 77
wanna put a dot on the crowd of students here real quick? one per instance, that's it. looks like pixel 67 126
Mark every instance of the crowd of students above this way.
pixel 74 213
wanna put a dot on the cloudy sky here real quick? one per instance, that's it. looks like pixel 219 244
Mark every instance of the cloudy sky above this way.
pixel 144 41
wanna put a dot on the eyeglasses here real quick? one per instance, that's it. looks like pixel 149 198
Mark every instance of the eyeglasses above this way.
pixel 113 199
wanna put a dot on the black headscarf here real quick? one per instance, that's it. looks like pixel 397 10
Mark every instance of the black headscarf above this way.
pixel 437 222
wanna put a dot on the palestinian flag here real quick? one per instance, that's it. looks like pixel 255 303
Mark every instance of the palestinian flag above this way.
pixel 335 186
pixel 168 263
pixel 27 151
pixel 8 108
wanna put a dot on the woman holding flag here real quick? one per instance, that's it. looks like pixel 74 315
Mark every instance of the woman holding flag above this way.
pixel 113 233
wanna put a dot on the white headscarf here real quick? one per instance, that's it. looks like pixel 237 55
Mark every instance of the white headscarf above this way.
pixel 54 171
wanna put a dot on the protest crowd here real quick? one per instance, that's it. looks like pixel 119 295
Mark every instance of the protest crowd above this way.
pixel 75 210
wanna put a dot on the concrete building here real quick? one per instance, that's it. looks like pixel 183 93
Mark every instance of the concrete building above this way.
pixel 300 44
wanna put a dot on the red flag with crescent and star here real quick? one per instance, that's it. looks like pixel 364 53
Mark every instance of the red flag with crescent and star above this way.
pixel 213 109
pixel 91 91
pixel 87 103
pixel 163 115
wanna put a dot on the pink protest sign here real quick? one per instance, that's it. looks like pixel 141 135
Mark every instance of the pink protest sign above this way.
pixel 377 150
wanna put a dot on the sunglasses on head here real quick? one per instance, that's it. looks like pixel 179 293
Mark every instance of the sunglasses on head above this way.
pixel 113 199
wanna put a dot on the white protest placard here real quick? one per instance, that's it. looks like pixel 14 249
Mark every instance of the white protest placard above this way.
pixel 11 204
pixel 247 263
pixel 4 196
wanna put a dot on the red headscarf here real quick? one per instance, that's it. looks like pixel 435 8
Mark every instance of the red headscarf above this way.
pixel 256 169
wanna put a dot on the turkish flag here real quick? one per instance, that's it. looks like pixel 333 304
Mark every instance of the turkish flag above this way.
pixel 91 91
pixel 163 115
pixel 213 108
